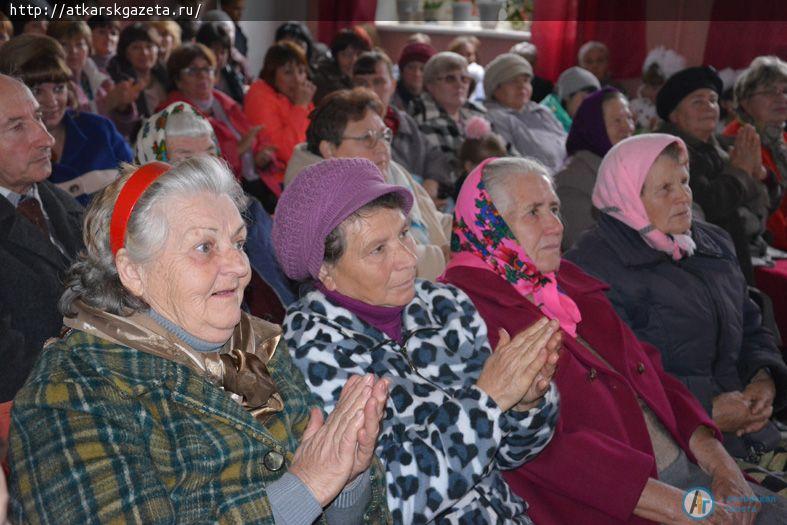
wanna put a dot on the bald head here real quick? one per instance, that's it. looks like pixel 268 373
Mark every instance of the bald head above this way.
pixel 25 144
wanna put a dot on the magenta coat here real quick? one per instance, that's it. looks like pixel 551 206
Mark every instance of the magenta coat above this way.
pixel 600 457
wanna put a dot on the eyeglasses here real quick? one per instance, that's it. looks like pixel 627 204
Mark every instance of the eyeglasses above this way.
pixel 196 71
pixel 455 79
pixel 371 137
pixel 774 92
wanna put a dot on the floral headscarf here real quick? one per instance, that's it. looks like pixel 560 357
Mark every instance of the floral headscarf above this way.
pixel 619 184
pixel 151 142
pixel 482 239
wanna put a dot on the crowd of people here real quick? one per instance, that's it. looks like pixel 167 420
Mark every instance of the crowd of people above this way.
pixel 364 288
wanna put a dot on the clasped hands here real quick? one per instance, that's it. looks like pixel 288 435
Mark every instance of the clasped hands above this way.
pixel 518 372
pixel 747 411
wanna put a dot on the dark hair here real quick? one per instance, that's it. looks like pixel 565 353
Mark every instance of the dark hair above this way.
pixel 297 31
pixel 336 243
pixel 279 55
pixel 480 149
pixel 182 57
pixel 136 32
pixel 210 34
pixel 336 110
pixel 349 38
pixel 100 21
pixel 366 64
pixel 34 59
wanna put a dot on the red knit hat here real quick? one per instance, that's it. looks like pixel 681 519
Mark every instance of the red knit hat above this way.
pixel 416 52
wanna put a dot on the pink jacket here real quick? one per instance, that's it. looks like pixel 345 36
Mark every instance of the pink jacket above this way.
pixel 600 458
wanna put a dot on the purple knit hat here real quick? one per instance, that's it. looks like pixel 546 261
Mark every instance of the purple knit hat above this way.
pixel 316 202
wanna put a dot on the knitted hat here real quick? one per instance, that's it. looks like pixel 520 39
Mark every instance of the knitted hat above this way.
pixel 416 52
pixel 575 79
pixel 502 69
pixel 681 84
pixel 316 202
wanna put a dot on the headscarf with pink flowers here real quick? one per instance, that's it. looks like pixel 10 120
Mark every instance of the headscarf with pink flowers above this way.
pixel 619 186
pixel 482 239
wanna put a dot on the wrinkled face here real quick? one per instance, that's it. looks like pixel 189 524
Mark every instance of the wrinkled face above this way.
pixel 289 78
pixel 412 77
pixel 142 55
pixel 77 51
pixel 514 93
pixel 196 81
pixel 180 148
pixel 533 215
pixel 197 279
pixel 618 119
pixel 667 196
pixel 52 98
pixel 379 152
pixel 346 59
pixel 25 144
pixel 597 62
pixel 768 104
pixel 378 265
pixel 450 89
pixel 380 82
pixel 697 114
pixel 105 40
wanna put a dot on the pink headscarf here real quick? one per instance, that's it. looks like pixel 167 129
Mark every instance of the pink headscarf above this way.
pixel 619 186
pixel 482 239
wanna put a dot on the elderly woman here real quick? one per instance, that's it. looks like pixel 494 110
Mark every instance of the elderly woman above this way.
pixel 136 65
pixel 761 101
pixel 281 99
pixel 165 402
pixel 88 147
pixel 573 86
pixel 727 188
pixel 670 275
pixel 458 414
pixel 410 86
pixel 531 128
pixel 603 120
pixel 442 115
pixel 181 132
pixel 630 437
pixel 246 148
pixel 350 124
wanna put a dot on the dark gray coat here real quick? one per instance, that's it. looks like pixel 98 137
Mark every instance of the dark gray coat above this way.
pixel 31 272
pixel 696 311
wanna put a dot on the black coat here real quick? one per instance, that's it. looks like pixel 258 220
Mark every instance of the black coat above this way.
pixel 696 311
pixel 31 282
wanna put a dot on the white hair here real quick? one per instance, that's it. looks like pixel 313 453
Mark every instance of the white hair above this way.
pixel 93 278
pixel 187 124
pixel 590 46
pixel 499 173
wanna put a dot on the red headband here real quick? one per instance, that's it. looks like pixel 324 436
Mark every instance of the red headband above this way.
pixel 136 185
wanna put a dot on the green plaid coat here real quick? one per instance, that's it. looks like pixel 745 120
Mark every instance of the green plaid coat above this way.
pixel 103 433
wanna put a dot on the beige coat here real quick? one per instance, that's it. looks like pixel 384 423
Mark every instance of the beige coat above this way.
pixel 431 228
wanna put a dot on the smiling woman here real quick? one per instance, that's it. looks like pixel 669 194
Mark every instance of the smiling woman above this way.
pixel 87 147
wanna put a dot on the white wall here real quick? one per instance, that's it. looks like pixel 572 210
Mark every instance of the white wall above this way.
pixel 260 20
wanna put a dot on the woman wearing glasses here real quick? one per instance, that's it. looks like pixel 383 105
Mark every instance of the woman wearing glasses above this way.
pixel 246 148
pixel 531 128
pixel 349 123
pixel 761 100
pixel 444 112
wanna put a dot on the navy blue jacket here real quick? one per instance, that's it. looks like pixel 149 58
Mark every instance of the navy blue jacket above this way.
pixel 92 153
pixel 696 311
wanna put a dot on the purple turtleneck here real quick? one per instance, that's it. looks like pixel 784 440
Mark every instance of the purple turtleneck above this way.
pixel 387 319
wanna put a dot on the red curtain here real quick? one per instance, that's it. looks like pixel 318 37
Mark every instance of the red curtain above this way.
pixel 335 15
pixel 560 27
pixel 737 35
